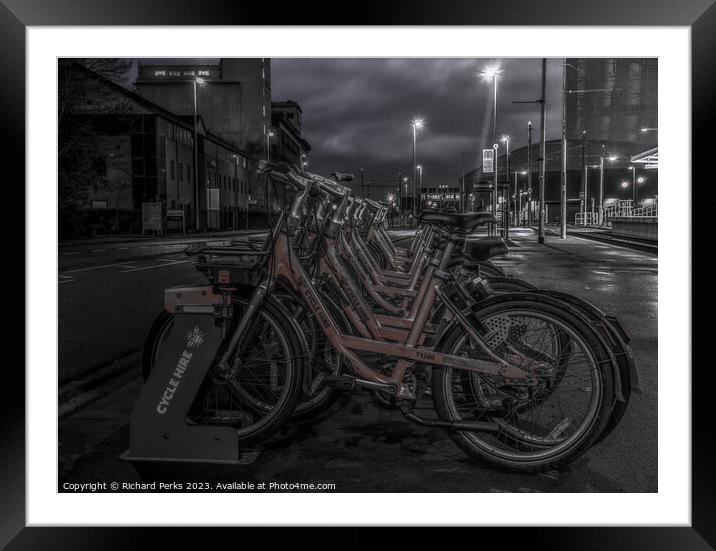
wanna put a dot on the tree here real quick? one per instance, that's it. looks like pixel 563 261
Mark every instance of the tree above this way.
pixel 79 163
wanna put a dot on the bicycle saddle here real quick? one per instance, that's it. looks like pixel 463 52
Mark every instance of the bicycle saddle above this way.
pixel 462 223
pixel 482 248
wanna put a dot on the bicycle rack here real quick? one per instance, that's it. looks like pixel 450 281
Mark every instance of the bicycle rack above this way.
pixel 158 427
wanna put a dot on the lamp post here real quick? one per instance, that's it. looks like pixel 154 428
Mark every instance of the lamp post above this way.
pixel 416 123
pixel 584 177
pixel 529 167
pixel 420 184
pixel 463 196
pixel 491 73
pixel 506 209
pixel 601 188
pixel 542 153
pixel 195 81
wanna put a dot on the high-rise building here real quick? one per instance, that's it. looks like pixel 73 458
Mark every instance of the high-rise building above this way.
pixel 233 98
pixel 612 99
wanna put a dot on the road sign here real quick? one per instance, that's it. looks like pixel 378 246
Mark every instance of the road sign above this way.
pixel 151 217
pixel 488 160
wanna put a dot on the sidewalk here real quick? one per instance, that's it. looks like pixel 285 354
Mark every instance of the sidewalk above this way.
pixel 386 452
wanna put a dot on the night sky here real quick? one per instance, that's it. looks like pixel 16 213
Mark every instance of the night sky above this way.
pixel 357 112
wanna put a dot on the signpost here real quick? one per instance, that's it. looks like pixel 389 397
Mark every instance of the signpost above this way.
pixel 488 161
pixel 152 217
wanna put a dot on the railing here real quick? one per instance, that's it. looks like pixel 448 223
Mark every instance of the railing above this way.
pixel 622 209
pixel 586 219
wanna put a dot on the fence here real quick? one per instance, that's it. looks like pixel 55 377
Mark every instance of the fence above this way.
pixel 622 209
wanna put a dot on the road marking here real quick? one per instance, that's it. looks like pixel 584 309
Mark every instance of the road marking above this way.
pixel 70 253
pixel 66 279
pixel 98 250
pixel 98 267
pixel 122 248
pixel 155 266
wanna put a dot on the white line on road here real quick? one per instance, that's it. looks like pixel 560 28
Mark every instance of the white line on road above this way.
pixel 98 250
pixel 75 252
pixel 67 279
pixel 156 266
pixel 98 267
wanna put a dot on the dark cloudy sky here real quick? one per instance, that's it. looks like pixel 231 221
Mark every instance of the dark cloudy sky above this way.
pixel 357 112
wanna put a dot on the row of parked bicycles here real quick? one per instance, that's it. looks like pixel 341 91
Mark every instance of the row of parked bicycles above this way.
pixel 325 303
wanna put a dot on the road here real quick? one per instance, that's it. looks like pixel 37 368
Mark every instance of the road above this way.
pixel 111 296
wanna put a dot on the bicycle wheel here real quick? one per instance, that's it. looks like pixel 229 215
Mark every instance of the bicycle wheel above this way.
pixel 323 359
pixel 539 427
pixel 268 385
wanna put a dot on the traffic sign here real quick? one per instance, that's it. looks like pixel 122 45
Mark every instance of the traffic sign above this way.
pixel 488 160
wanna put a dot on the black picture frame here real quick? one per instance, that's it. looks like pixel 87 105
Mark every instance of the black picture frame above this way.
pixel 699 15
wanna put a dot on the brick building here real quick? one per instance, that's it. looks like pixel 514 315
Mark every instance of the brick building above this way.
pixel 147 157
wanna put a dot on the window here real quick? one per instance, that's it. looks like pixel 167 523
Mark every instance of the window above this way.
pixel 99 204
pixel 188 173
pixel 181 172
pixel 171 169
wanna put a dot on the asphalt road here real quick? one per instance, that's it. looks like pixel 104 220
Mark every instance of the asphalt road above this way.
pixel 107 308
pixel 109 295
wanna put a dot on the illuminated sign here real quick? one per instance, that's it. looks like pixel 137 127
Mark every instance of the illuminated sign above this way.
pixel 180 72
pixel 488 158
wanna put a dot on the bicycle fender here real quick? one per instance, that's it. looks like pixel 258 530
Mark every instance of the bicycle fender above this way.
pixel 536 296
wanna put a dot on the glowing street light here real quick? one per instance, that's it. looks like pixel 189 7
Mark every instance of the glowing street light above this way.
pixel 416 123
pixel 491 73
pixel 200 81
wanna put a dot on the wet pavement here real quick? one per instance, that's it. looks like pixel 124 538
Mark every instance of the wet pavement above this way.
pixel 362 447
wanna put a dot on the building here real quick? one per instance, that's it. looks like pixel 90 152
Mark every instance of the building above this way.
pixel 440 196
pixel 286 143
pixel 611 112
pixel 617 162
pixel 147 176
pixel 612 100
pixel 233 96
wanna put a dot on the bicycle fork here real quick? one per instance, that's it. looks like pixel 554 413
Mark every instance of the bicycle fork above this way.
pixel 225 369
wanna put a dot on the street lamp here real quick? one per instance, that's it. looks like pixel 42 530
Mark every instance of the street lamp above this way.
pixel 506 209
pixel 416 123
pixel 491 73
pixel 420 184
pixel 195 81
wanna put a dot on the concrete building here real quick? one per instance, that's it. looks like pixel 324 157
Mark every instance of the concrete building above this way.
pixel 613 99
pixel 617 171
pixel 147 158
pixel 234 97
pixel 287 144
pixel 611 111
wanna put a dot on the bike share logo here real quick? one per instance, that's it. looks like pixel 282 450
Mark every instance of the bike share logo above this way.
pixel 194 339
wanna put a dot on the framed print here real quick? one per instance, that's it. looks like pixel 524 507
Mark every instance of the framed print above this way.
pixel 305 266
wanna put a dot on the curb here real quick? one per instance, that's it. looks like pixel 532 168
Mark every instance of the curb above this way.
pixel 96 383
pixel 190 238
